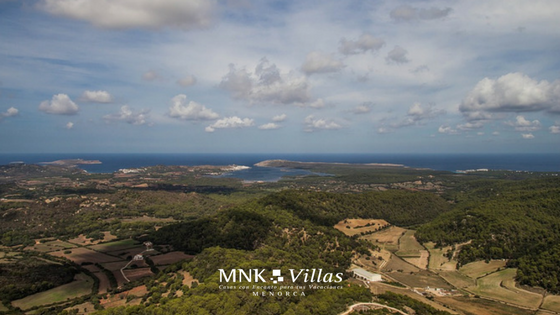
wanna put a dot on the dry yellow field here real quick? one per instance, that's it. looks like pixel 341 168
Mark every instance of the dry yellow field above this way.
pixel 437 259
pixel 552 303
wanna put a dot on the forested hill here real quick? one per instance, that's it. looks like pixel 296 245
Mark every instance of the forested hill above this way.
pixel 289 229
pixel 516 220
pixel 400 207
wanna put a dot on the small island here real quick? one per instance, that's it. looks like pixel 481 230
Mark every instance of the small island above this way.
pixel 71 162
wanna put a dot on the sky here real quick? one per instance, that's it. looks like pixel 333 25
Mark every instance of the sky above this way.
pixel 248 76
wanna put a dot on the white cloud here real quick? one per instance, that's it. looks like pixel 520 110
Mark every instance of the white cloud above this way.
pixel 189 111
pixel 365 43
pixel 527 136
pixel 447 130
pixel 383 130
pixel 397 55
pixel 151 76
pixel 69 125
pixel 60 104
pixel 313 124
pixel 96 97
pixel 279 118
pixel 513 92
pixel 189 80
pixel 230 122
pixel 417 114
pixel 408 13
pixel 555 129
pixel 470 126
pixel 319 103
pixel 522 124
pixel 269 126
pixel 11 112
pixel 130 116
pixel 266 85
pixel 361 109
pixel 128 14
pixel 317 62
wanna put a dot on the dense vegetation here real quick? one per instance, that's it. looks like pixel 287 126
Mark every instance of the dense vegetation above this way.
pixel 292 230
pixel 286 225
pixel 257 235
pixel 30 275
pixel 516 220
pixel 400 207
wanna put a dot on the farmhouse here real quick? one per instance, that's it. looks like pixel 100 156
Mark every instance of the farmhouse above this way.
pixel 362 274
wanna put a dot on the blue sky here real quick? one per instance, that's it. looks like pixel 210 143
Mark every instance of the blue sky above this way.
pixel 279 76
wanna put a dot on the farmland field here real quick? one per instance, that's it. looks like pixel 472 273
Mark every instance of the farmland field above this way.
pixel 412 251
pixel 114 246
pixel 104 283
pixel 437 259
pixel 474 306
pixel 356 226
pixel 479 269
pixel 50 246
pixel 170 258
pixel 138 273
pixel 380 287
pixel 552 303
pixel 81 285
pixel 387 238
pixel 500 285
pixel 81 255
pixel 420 279
pixel 117 265
pixel 124 253
pixel 82 240
pixel 457 279
pixel 396 263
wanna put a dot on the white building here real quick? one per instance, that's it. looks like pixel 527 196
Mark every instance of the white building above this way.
pixel 365 275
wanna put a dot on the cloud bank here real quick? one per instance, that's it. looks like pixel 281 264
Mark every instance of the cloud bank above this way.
pixel 129 14
pixel 266 84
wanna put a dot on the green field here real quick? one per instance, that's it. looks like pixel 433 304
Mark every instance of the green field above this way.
pixel 500 286
pixel 457 279
pixel 409 246
pixel 479 269
pixel 113 246
pixel 82 285
pixel 50 246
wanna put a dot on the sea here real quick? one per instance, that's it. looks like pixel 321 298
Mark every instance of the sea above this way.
pixel 111 162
